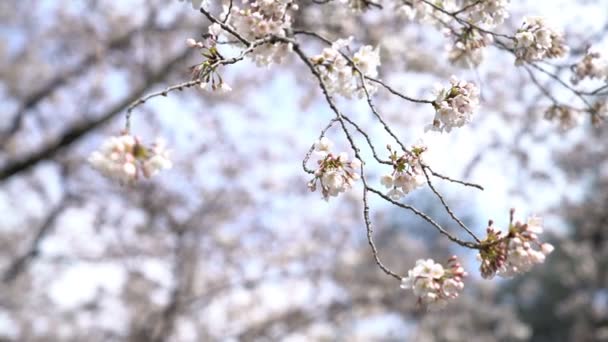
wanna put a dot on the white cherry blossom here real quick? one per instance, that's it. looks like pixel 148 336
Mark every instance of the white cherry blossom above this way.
pixel 124 158
pixel 535 40
pixel 516 252
pixel 335 173
pixel 407 174
pixel 339 75
pixel 454 105
pixel 433 284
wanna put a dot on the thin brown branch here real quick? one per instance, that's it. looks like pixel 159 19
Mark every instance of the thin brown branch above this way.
pixel 76 131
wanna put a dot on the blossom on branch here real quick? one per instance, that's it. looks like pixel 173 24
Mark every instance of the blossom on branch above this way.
pixel 407 174
pixel 599 112
pixel 424 12
pixel 261 19
pixel 455 105
pixel 433 284
pixel 124 158
pixel 488 12
pixel 467 49
pixel 566 116
pixel 514 253
pixel 338 73
pixel 535 40
pixel 593 66
pixel 335 173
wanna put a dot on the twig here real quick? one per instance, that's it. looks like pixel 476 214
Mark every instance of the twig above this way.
pixel 447 207
pixel 312 147
pixel 438 175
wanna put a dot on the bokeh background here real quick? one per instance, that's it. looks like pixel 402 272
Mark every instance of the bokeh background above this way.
pixel 229 245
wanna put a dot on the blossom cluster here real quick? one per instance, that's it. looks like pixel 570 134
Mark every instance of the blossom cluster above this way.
pixel 488 12
pixel 424 12
pixel 264 18
pixel 535 40
pixel 467 49
pixel 599 112
pixel 454 105
pixel 514 253
pixel 433 284
pixel 338 73
pixel 335 173
pixel 567 117
pixel 256 20
pixel 407 174
pixel 124 158
pixel 592 65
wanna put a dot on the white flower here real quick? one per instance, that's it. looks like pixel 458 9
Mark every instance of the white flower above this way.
pixel 339 75
pixel 333 179
pixel 422 11
pixel 517 253
pixel 467 49
pixel 593 65
pixel 433 284
pixel 215 29
pixel 191 42
pixel 387 181
pixel 395 194
pixel 221 87
pixel 323 146
pixel 159 160
pixel 259 19
pixel 567 117
pixel 408 282
pixel 407 173
pixel 535 224
pixel 488 12
pixel 452 288
pixel 535 41
pixel 429 268
pixel 546 248
pixel 367 59
pixel 225 88
pixel 455 105
pixel 336 174
pixel 122 158
pixel 524 39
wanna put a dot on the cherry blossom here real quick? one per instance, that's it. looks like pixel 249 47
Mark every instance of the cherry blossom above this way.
pixel 338 73
pixel 535 40
pixel 424 12
pixel 566 116
pixel 454 105
pixel 335 173
pixel 407 174
pixel 467 49
pixel 124 158
pixel 515 253
pixel 593 65
pixel 488 12
pixel 260 19
pixel 433 284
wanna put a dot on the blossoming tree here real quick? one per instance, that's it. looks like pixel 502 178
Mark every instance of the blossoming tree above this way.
pixel 348 60
pixel 264 32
